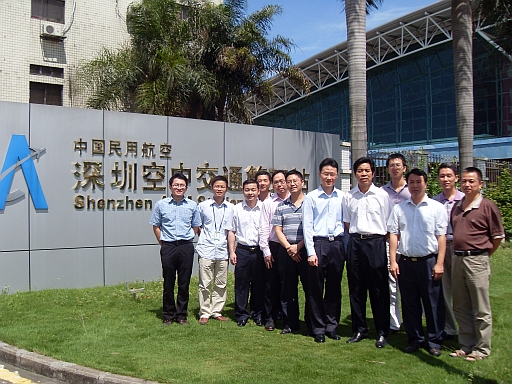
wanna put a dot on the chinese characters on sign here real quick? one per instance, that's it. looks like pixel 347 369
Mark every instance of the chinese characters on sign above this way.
pixel 90 174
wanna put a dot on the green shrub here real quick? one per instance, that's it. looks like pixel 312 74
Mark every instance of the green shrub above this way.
pixel 501 193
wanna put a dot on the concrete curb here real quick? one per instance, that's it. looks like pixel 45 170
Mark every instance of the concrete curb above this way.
pixel 60 370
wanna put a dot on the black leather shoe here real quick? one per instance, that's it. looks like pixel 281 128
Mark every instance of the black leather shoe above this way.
pixel 319 339
pixel 258 322
pixel 332 335
pixel 168 322
pixel 411 348
pixel 286 330
pixel 357 337
pixel 241 323
pixel 381 342
pixel 435 351
pixel 269 326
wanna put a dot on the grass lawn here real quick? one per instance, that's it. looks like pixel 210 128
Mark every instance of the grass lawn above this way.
pixel 105 328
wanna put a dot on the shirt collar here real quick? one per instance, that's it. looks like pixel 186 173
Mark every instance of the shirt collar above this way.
pixel 275 197
pixel 182 201
pixel 390 187
pixel 371 190
pixel 246 207
pixel 223 204
pixel 475 205
pixel 458 196
pixel 424 201
pixel 322 192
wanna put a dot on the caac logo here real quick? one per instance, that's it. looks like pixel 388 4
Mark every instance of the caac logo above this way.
pixel 20 155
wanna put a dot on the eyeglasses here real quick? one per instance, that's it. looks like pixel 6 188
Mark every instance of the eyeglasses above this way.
pixel 179 186
pixel 397 165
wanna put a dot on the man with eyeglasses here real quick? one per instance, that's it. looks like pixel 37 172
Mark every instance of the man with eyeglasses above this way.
pixel 323 235
pixel 212 249
pixel 397 191
pixel 175 222
pixel 269 245
pixel 293 258
pixel 366 209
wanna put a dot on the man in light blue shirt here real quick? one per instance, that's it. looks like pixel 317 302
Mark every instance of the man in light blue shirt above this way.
pixel 212 248
pixel 323 236
pixel 175 222
pixel 421 224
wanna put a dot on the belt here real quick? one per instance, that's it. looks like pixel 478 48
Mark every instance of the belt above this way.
pixel 178 242
pixel 471 252
pixel 328 238
pixel 248 248
pixel 403 257
pixel 364 237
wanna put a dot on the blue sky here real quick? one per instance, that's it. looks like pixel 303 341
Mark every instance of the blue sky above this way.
pixel 315 25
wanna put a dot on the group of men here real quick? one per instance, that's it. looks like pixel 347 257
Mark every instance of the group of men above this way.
pixel 435 252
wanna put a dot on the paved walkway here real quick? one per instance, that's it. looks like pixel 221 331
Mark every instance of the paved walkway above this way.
pixel 57 371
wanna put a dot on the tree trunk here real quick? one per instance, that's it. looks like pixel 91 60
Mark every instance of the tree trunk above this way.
pixel 462 30
pixel 355 11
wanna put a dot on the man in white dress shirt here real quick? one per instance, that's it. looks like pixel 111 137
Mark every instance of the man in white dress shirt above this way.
pixel 421 224
pixel 247 256
pixel 366 209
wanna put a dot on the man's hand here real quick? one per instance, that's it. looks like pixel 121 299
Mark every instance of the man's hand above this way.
pixel 313 260
pixel 232 257
pixel 268 261
pixel 438 271
pixel 394 270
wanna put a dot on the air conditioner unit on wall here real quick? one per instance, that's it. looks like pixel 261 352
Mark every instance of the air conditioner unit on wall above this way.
pixel 52 30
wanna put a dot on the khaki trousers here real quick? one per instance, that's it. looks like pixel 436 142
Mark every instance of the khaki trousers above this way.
pixel 216 272
pixel 471 303
pixel 450 325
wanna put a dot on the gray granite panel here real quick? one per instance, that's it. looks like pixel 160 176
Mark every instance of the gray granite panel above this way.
pixel 14 228
pixel 14 271
pixel 57 129
pixel 66 268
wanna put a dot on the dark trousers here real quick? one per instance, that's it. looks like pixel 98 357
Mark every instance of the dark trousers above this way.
pixel 367 272
pixel 272 299
pixel 176 260
pixel 326 307
pixel 249 277
pixel 417 287
pixel 290 272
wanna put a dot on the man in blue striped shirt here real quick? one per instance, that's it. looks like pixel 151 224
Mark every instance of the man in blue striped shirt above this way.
pixel 175 222
pixel 293 258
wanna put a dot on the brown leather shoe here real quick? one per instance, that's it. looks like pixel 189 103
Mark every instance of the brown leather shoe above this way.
pixel 221 318
pixel 203 320
pixel 183 322
pixel 168 321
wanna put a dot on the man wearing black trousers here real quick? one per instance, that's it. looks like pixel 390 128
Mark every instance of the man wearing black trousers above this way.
pixel 366 209
pixel 247 256
pixel 175 221
pixel 421 224
pixel 323 234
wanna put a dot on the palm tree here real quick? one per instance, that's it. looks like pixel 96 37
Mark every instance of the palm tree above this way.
pixel 356 11
pixel 195 66
pixel 498 12
pixel 462 33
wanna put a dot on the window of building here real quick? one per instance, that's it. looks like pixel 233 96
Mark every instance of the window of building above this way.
pixel 49 94
pixel 42 70
pixel 51 10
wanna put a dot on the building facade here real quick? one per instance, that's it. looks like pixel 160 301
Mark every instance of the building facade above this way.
pixel 410 90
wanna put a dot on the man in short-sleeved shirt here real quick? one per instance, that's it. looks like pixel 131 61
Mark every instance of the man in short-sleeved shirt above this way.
pixel 293 258
pixel 477 233
pixel 397 191
pixel 246 256
pixel 175 222
pixel 421 223
pixel 449 197
pixel 212 249
pixel 365 212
